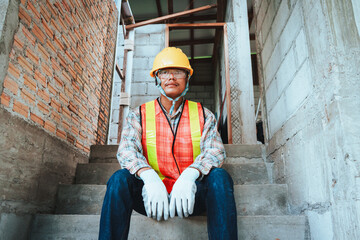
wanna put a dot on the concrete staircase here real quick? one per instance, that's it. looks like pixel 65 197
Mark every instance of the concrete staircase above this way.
pixel 262 207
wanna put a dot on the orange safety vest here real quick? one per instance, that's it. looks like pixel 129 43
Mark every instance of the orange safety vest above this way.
pixel 169 153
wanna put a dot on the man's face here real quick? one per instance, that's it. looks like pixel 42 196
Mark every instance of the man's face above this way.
pixel 173 81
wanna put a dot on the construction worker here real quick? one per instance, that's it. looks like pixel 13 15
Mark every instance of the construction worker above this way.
pixel 170 153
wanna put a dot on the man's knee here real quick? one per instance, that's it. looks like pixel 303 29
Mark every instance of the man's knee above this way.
pixel 119 179
pixel 219 177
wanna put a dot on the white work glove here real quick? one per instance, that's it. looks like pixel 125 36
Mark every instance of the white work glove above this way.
pixel 182 196
pixel 155 196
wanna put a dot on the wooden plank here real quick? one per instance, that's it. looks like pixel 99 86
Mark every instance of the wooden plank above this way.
pixel 203 17
pixel 118 70
pixel 167 37
pixel 121 109
pixel 227 83
pixel 170 16
pixel 196 25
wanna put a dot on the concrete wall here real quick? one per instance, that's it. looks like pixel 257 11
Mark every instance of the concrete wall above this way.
pixel 309 65
pixel 149 41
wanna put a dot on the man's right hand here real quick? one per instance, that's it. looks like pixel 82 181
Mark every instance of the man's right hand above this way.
pixel 155 196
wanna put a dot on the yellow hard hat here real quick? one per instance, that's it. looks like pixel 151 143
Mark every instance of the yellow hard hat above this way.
pixel 171 57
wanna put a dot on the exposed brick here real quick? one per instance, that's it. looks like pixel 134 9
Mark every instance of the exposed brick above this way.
pixel 46 69
pixel 38 33
pixel 44 54
pixel 27 34
pixel 11 85
pixel 66 112
pixel 51 47
pixel 24 16
pixel 62 24
pixel 49 6
pixel 59 44
pixel 40 78
pixel 56 117
pixel 75 130
pixel 50 126
pixel 25 64
pixel 17 42
pixel 60 133
pixel 47 29
pixel 21 108
pixel 79 145
pixel 73 108
pixel 55 65
pixel 75 86
pixel 34 11
pixel 55 104
pixel 63 98
pixel 13 70
pixel 58 82
pixel 44 95
pixel 32 56
pixel 70 139
pixel 62 60
pixel 72 72
pixel 55 25
pixel 68 21
pixel 65 125
pixel 28 96
pixel 66 77
pixel 37 119
pixel 5 100
pixel 43 107
pixel 29 82
pixel 52 89
pixel 68 91
pixel 68 55
pixel 45 13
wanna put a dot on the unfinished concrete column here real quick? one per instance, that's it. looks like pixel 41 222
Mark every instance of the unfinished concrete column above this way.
pixel 247 110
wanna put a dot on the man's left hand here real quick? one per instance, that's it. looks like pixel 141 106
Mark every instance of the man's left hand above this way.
pixel 182 197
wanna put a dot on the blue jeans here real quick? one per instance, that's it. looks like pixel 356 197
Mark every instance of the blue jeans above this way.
pixel 215 195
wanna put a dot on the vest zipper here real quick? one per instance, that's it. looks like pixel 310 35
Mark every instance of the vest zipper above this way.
pixel 174 134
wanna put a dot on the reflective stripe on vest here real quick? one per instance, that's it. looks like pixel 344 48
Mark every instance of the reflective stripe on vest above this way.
pixel 168 152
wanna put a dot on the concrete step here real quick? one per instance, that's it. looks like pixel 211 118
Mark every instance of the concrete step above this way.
pixel 107 153
pixel 242 173
pixel 81 227
pixel 250 200
pixel 228 160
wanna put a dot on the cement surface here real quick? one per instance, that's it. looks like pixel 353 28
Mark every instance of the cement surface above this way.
pixel 33 163
pixel 264 199
pixel 81 227
pixel 243 173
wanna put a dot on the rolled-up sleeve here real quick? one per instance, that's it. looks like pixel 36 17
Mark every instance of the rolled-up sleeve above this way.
pixel 130 151
pixel 211 146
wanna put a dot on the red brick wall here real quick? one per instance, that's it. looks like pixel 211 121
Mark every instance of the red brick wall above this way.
pixel 60 68
pixel 104 111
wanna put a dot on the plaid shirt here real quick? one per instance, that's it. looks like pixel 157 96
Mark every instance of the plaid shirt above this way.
pixel 130 152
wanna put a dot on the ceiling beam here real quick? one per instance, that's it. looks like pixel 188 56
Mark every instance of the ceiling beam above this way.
pixel 218 32
pixel 191 33
pixel 207 17
pixel 170 7
pixel 188 42
pixel 171 16
pixel 158 5
pixel 196 25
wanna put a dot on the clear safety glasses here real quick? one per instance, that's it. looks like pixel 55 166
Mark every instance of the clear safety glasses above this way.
pixel 177 73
